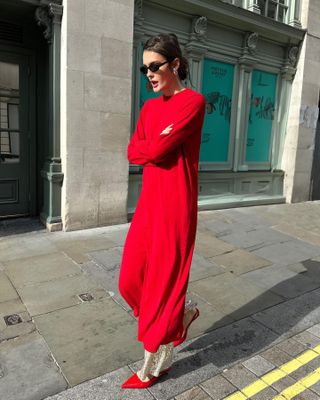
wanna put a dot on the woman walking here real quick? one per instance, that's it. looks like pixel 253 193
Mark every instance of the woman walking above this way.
pixel 159 246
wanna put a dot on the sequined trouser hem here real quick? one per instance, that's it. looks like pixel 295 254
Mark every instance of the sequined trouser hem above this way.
pixel 154 363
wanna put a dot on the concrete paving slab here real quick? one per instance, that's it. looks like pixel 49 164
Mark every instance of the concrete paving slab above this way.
pixel 29 371
pixel 256 238
pixel 315 330
pixel 234 296
pixel 11 331
pixel 223 228
pixel 299 233
pixel 7 291
pixel 307 339
pixel 108 279
pixel 301 313
pixel 30 245
pixel 230 344
pixel 309 268
pixel 118 234
pixel 240 261
pixel 239 376
pixel 78 249
pixel 38 269
pixel 291 347
pixel 207 245
pixel 218 387
pixel 195 393
pixel 106 387
pixel 202 268
pixel 289 252
pixel 108 259
pixel 106 271
pixel 276 356
pixel 282 280
pixel 56 294
pixel 266 394
pixel 90 339
pixel 209 318
pixel 258 365
pixel 249 217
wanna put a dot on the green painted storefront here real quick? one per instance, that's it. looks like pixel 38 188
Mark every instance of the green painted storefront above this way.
pixel 244 64
pixel 30 164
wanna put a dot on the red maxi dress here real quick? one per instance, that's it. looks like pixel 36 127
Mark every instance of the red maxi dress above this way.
pixel 159 246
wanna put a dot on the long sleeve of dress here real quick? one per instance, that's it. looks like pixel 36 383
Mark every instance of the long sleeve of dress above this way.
pixel 133 156
pixel 182 125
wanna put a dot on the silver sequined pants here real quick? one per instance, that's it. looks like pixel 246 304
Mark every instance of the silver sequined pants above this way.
pixel 154 363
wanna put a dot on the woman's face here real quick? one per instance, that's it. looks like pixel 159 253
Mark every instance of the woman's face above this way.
pixel 164 78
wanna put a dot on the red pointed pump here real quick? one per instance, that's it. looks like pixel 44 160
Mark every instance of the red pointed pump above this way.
pixel 134 382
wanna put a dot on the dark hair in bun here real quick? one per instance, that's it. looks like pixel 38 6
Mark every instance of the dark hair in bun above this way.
pixel 168 46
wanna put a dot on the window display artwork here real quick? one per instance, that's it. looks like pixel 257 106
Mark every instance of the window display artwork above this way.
pixel 217 84
pixel 261 116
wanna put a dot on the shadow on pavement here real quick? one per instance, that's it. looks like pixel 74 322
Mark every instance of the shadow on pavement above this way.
pixel 17 226
pixel 222 346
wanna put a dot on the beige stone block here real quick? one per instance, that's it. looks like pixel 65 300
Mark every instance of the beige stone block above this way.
pixel 116 58
pixel 98 131
pixel 113 203
pixel 84 129
pixel 108 94
pixel 102 167
pixel 74 165
pixel 310 92
pixel 306 138
pixel 115 131
pixel 76 15
pixel 301 187
pixel 84 52
pixel 82 205
pixel 108 18
pixel 304 160
pixel 314 17
pixel 75 91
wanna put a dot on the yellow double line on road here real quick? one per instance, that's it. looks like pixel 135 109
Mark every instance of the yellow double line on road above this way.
pixel 285 369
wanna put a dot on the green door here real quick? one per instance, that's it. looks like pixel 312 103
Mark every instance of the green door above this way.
pixel 14 136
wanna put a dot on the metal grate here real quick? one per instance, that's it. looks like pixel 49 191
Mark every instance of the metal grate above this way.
pixel 10 32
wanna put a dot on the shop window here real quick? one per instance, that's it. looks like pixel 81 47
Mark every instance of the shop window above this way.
pixel 217 85
pixel 261 116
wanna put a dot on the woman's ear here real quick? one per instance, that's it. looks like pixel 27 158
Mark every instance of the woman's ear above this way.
pixel 175 64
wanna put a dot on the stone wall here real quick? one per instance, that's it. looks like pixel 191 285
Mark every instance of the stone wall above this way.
pixel 299 147
pixel 96 110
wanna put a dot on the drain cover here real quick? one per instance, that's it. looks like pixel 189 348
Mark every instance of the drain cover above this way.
pixel 86 297
pixel 12 319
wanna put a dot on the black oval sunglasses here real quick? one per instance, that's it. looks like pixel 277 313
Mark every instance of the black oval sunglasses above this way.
pixel 153 67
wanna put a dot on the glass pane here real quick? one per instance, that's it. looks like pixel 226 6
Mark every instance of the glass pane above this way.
pixel 9 147
pixel 13 116
pixel 272 9
pixel 9 96
pixel 261 116
pixel 262 6
pixel 217 85
pixel 282 13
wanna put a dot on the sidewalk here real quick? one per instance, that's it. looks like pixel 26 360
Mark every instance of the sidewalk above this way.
pixel 255 276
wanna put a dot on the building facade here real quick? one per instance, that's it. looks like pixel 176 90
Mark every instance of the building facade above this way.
pixel 71 92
